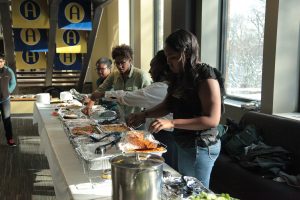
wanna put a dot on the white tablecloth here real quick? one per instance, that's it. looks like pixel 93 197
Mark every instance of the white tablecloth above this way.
pixel 67 172
pixel 70 181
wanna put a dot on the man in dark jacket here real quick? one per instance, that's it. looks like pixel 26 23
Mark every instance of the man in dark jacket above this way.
pixel 7 86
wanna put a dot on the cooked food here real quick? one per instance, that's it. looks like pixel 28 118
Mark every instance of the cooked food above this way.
pixel 83 130
pixel 158 149
pixel 137 139
pixel 114 128
pixel 106 174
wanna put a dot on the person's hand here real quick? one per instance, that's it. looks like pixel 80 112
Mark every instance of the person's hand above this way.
pixel 85 100
pixel 159 124
pixel 87 110
pixel 135 119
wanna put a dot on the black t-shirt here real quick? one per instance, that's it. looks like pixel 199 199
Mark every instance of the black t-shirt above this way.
pixel 184 103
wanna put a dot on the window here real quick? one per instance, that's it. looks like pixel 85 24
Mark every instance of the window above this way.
pixel 242 52
pixel 131 23
pixel 158 25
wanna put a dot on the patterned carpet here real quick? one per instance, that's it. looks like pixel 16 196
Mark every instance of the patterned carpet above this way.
pixel 24 173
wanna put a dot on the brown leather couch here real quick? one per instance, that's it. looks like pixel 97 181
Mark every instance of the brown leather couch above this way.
pixel 229 177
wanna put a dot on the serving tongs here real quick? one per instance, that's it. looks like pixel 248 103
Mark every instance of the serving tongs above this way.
pixel 109 121
pixel 101 149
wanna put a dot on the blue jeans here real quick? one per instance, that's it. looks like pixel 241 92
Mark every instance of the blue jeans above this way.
pixel 5 113
pixel 167 138
pixel 198 161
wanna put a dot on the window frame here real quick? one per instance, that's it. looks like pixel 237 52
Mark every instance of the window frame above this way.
pixel 222 50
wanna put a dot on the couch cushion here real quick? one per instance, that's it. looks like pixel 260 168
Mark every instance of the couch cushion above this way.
pixel 228 177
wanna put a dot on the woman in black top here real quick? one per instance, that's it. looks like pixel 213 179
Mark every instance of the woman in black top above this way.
pixel 195 99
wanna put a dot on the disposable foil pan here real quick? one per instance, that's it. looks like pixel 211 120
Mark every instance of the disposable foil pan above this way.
pixel 93 161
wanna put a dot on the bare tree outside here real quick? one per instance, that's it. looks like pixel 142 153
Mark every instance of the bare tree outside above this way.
pixel 244 48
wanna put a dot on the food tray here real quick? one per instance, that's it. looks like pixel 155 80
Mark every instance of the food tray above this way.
pixel 70 125
pixel 139 141
pixel 70 104
pixel 109 128
pixel 82 130
pixel 102 116
pixel 66 114
pixel 158 151
pixel 182 188
pixel 80 140
pixel 78 122
pixel 94 161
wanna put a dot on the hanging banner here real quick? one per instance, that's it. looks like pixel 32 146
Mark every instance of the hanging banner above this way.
pixel 75 15
pixel 68 61
pixel 71 41
pixel 28 39
pixel 30 14
pixel 30 60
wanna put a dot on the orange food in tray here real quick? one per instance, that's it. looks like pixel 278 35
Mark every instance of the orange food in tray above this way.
pixel 114 128
pixel 83 130
pixel 137 138
pixel 158 149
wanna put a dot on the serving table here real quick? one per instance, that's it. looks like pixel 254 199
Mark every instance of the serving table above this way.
pixel 70 180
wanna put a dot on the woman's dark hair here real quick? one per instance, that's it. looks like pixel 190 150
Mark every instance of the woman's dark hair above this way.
pixel 123 51
pixel 160 66
pixel 184 41
pixel 2 56
pixel 104 60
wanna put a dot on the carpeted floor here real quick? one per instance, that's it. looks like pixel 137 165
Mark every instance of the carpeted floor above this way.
pixel 24 173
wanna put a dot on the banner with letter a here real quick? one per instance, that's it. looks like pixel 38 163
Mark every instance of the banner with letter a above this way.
pixel 30 14
pixel 68 61
pixel 71 41
pixel 30 60
pixel 75 15
pixel 29 39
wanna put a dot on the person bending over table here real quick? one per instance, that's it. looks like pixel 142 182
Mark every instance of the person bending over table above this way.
pixel 194 98
pixel 127 77
pixel 149 97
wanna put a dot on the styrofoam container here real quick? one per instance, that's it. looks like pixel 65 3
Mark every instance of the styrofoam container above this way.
pixel 43 98
pixel 65 96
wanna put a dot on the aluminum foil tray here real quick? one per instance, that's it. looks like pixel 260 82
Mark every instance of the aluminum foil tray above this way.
pixel 95 161
pixel 109 128
pixel 181 188
pixel 104 116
